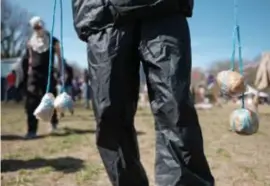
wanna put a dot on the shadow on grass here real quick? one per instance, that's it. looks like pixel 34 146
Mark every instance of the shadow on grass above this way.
pixel 62 133
pixel 13 137
pixel 62 164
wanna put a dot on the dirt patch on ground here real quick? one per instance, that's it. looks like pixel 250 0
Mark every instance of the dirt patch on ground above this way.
pixel 70 158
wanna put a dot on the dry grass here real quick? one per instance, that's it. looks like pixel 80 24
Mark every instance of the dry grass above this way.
pixel 71 159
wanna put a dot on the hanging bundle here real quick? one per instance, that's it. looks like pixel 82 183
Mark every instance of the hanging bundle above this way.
pixel 242 120
pixel 63 101
pixel 230 82
pixel 48 103
pixel 46 107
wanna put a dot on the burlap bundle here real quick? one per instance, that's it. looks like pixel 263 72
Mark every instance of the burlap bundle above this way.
pixel 45 109
pixel 63 102
pixel 244 121
pixel 231 83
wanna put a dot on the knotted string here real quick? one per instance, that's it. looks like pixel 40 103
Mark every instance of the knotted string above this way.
pixel 51 55
pixel 237 43
pixel 62 47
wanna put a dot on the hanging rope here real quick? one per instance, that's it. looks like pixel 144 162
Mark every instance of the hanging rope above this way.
pixel 237 43
pixel 51 55
pixel 62 46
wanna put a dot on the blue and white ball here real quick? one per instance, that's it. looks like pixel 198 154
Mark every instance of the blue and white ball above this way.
pixel 63 102
pixel 244 121
pixel 45 109
pixel 231 83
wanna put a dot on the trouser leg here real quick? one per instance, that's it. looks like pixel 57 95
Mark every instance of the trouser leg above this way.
pixel 180 159
pixel 32 102
pixel 114 75
pixel 33 97
pixel 12 93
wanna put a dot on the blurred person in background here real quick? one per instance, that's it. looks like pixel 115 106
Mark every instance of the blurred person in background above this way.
pixel 11 86
pixel 76 88
pixel 192 93
pixel 38 62
pixel 68 78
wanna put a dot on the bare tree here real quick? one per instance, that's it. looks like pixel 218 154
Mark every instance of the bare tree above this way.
pixel 218 66
pixel 197 76
pixel 14 29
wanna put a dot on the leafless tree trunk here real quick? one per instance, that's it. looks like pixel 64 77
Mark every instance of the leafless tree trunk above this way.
pixel 14 29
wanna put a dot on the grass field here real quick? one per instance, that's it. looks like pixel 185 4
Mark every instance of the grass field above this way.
pixel 71 159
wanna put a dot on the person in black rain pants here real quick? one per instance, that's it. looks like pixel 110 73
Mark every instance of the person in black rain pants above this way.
pixel 68 78
pixel 119 34
pixel 38 56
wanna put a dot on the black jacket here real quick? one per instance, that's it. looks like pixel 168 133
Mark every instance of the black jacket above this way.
pixel 91 16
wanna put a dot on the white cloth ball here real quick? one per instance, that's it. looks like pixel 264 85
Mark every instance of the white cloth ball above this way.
pixel 63 102
pixel 45 109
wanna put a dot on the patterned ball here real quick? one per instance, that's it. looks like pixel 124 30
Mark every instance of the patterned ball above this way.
pixel 244 121
pixel 45 109
pixel 231 83
pixel 63 101
pixel 48 100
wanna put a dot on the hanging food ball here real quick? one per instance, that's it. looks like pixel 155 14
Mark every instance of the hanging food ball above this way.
pixel 231 83
pixel 63 102
pixel 244 121
pixel 45 109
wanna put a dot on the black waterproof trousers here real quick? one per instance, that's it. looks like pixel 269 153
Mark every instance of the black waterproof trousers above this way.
pixel 114 56
pixel 36 88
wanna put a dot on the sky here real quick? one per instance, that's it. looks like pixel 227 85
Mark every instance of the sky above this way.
pixel 211 29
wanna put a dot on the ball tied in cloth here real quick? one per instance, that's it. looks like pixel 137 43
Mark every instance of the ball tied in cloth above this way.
pixel 244 121
pixel 63 102
pixel 45 109
pixel 231 83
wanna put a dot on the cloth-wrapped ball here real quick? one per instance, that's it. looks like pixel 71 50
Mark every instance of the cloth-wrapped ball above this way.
pixel 244 121
pixel 63 102
pixel 231 83
pixel 45 109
